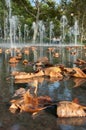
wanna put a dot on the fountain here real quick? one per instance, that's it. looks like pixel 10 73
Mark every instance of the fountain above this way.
pixel 41 28
pixel 34 29
pixel 8 3
pixel 19 33
pixel 10 26
pixel 71 33
pixel 5 29
pixel 25 32
pixel 13 31
pixel 63 23
pixel 51 30
pixel 76 31
pixel 41 31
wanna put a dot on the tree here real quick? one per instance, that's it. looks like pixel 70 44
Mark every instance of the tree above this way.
pixel 75 9
pixel 81 16
pixel 2 16
pixel 44 10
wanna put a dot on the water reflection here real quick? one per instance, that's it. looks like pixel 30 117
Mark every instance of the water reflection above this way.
pixel 53 87
pixel 71 123
pixel 65 93
pixel 57 90
pixel 66 89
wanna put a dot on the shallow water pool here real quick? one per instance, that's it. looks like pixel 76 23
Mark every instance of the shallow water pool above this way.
pixel 58 90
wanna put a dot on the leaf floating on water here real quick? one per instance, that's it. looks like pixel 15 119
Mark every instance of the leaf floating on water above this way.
pixel 79 73
pixel 79 81
pixel 29 103
pixel 70 109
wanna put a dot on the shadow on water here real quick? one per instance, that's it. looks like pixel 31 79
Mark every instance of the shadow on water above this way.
pixel 58 90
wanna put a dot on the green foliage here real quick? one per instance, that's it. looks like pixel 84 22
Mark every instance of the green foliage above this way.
pixel 47 10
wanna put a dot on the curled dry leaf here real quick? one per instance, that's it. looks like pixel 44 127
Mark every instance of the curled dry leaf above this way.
pixel 79 73
pixel 30 104
pixel 79 81
pixel 70 109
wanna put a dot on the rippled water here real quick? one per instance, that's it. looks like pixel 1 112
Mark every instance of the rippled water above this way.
pixel 57 90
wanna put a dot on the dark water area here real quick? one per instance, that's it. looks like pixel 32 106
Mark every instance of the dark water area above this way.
pixel 58 90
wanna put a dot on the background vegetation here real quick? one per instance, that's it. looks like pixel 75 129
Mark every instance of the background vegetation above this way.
pixel 46 11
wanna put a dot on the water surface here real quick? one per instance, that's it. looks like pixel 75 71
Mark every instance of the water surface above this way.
pixel 57 90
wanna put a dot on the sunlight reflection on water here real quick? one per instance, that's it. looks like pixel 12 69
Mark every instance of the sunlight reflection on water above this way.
pixel 57 90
